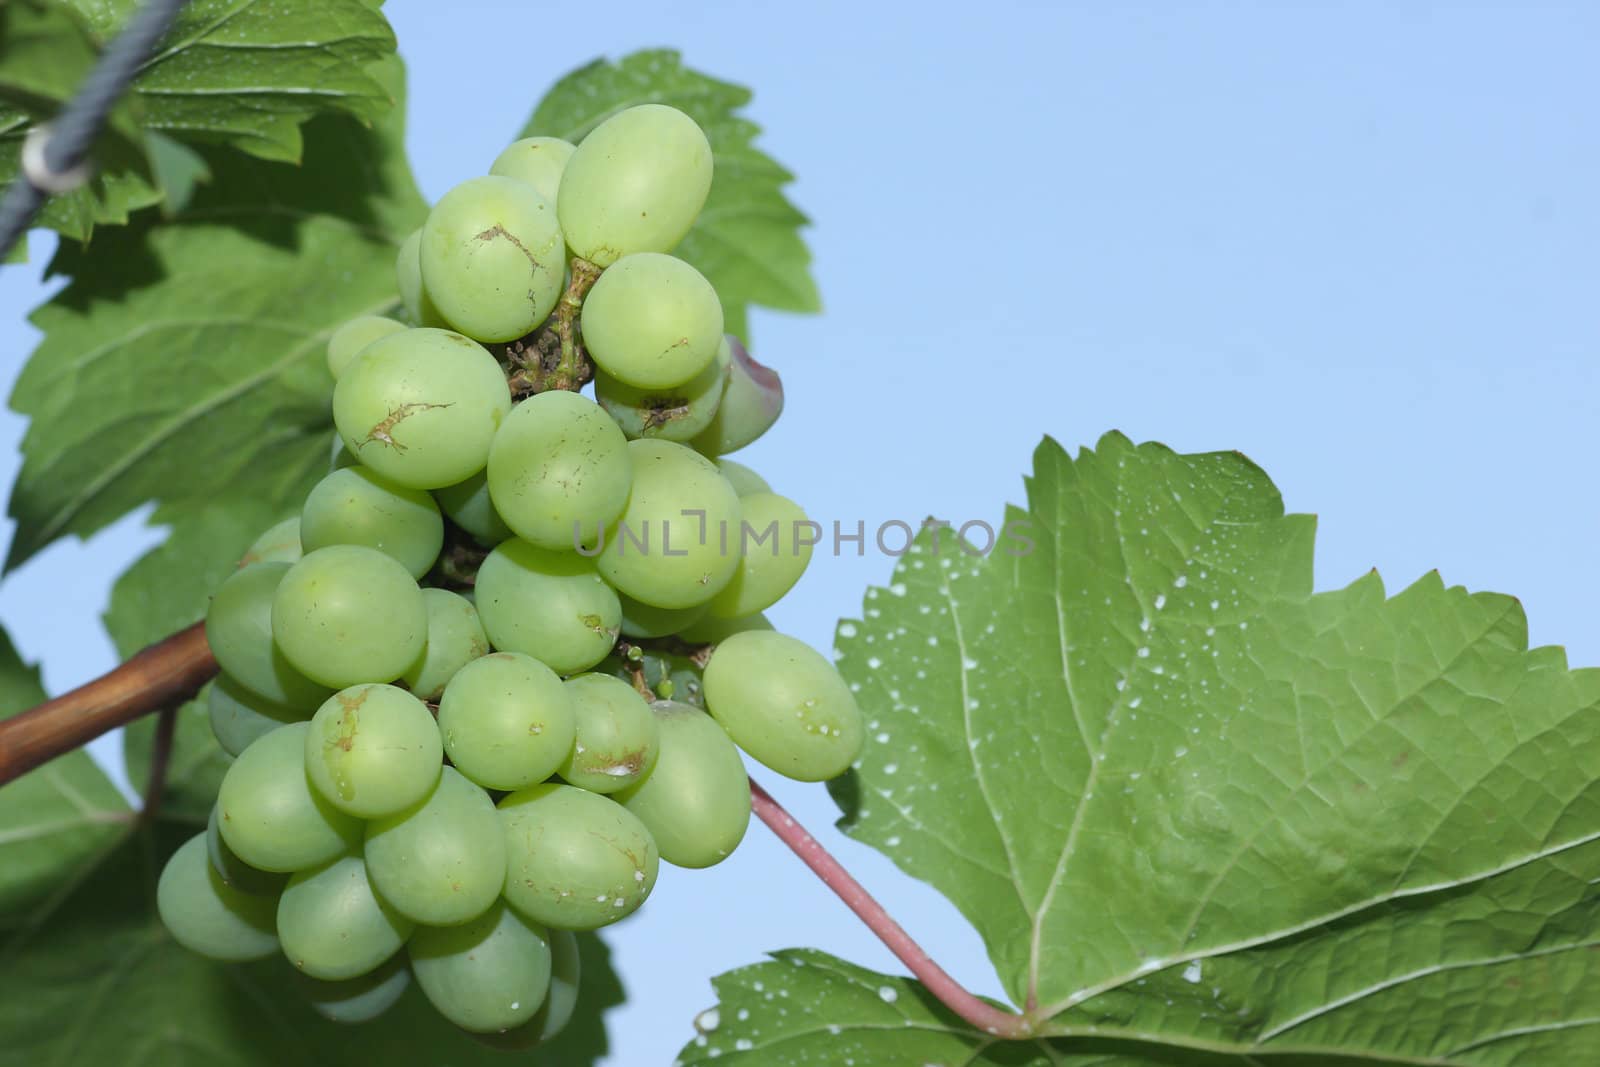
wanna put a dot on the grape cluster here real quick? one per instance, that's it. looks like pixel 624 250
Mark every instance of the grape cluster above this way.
pixel 503 661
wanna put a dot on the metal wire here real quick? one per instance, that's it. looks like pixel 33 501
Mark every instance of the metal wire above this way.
pixel 73 132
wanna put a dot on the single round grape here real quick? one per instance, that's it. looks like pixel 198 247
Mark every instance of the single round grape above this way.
pixel 455 639
pixel 268 813
pixel 333 926
pixel 711 630
pixel 421 407
pixel 677 544
pixel 506 720
pixel 550 605
pixel 373 750
pixel 347 614
pixel 647 620
pixel 408 275
pixel 744 480
pixel 469 507
pixel 559 470
pixel 617 737
pixel 785 704
pixel 492 257
pixel 652 321
pixel 751 402
pixel 206 915
pixel 235 872
pixel 348 340
pixel 696 801
pixel 536 161
pixel 359 506
pixel 441 861
pixel 358 1000
pixel 239 631
pixel 575 860
pixel 487 975
pixel 556 1011
pixel 239 716
pixel 635 184
pixel 278 543
pixel 676 414
pixel 774 551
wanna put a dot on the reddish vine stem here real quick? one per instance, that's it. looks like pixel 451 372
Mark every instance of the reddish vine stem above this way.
pixel 951 993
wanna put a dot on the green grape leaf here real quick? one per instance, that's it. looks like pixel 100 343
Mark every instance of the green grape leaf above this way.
pixel 93 978
pixel 186 360
pixel 747 239
pixel 1183 797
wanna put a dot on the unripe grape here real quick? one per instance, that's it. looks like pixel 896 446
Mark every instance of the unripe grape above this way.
pixel 408 274
pixel 617 736
pixel 671 414
pixel 744 480
pixel 333 926
pixel 421 407
pixel 206 915
pixel 345 343
pixel 239 716
pixel 347 614
pixel 773 554
pixel 239 631
pixel 469 507
pixel 359 506
pixel 711 630
pixel 551 605
pixel 646 620
pixel 269 815
pixel 635 184
pixel 559 471
pixel 373 750
pixel 575 860
pixel 492 257
pixel 236 872
pixel 441 861
pixel 358 1000
pixel 559 1003
pixel 696 800
pixel 278 543
pixel 752 400
pixel 455 639
pixel 677 542
pixel 785 704
pixel 652 321
pixel 666 676
pixel 506 720
pixel 536 161
pixel 486 976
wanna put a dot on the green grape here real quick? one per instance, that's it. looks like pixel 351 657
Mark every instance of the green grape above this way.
pixel 652 321
pixel 492 257
pixel 550 605
pixel 677 543
pixel 575 860
pixel 469 507
pixel 358 1000
pixel 744 480
pixel 696 801
pixel 455 639
pixel 278 543
pixel 645 620
pixel 506 720
pixel 421 407
pixel 635 184
pixel 487 975
pixel 268 813
pixel 333 926
pixel 358 506
pixel 408 273
pixel 617 737
pixel 239 631
pixel 772 555
pixel 559 470
pixel 711 630
pixel 785 704
pixel 206 915
pixel 441 861
pixel 373 750
pixel 340 458
pixel 348 340
pixel 671 414
pixel 751 402
pixel 566 971
pixel 347 614
pixel 235 872
pixel 536 161
pixel 239 716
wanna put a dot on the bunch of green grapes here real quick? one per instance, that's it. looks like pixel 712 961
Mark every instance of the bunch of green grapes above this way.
pixel 504 660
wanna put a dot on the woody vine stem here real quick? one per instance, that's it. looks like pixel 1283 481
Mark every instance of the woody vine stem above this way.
pixel 163 676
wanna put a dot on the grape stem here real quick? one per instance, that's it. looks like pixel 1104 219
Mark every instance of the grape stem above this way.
pixel 155 789
pixel 164 675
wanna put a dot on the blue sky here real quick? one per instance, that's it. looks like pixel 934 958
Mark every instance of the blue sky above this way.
pixel 1358 241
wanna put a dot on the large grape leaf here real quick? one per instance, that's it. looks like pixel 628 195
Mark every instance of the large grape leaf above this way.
pixel 747 240
pixel 185 360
